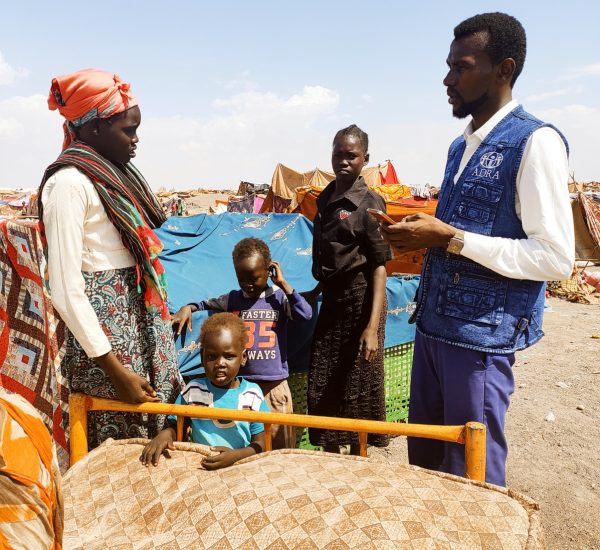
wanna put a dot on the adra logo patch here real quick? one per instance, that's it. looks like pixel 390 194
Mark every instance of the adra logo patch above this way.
pixel 491 160
pixel 344 214
pixel 487 165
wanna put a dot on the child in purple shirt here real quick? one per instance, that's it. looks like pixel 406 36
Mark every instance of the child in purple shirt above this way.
pixel 265 311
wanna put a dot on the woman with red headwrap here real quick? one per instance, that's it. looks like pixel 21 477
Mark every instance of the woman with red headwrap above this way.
pixel 105 278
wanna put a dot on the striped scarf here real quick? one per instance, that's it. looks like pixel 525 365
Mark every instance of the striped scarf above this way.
pixel 131 207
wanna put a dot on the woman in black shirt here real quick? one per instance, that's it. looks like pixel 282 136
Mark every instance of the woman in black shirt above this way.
pixel 346 370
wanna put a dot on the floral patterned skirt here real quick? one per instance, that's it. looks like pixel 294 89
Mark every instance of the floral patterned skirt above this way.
pixel 142 341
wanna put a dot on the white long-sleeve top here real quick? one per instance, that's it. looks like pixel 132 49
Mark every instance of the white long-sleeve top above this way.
pixel 80 238
pixel 542 204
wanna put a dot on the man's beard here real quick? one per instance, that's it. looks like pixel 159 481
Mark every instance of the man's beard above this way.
pixel 465 109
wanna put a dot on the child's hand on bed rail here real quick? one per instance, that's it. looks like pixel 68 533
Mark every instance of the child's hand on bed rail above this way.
pixel 160 445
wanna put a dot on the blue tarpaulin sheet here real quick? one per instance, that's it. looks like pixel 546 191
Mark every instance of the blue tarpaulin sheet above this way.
pixel 197 259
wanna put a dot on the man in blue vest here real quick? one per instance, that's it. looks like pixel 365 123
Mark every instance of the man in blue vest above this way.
pixel 503 226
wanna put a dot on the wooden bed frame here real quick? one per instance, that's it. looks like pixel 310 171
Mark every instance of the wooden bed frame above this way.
pixel 472 435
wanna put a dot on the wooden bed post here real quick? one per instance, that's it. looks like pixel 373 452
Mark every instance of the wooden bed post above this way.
pixel 78 421
pixel 475 451
pixel 268 437
pixel 362 441
pixel 179 435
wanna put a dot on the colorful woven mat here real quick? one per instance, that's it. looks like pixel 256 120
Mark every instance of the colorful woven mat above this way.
pixel 32 336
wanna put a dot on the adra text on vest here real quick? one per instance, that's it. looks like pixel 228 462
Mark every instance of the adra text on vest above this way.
pixel 486 173
pixel 259 315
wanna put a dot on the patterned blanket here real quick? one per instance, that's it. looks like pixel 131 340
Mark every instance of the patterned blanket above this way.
pixel 285 499
pixel 32 336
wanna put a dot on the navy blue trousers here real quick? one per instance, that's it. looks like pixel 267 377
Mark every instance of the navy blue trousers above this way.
pixel 451 385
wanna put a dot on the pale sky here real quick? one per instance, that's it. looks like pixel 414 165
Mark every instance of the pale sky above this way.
pixel 228 89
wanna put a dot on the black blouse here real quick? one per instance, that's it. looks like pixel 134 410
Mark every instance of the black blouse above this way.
pixel 346 238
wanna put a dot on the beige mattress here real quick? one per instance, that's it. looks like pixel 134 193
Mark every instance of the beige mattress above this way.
pixel 285 499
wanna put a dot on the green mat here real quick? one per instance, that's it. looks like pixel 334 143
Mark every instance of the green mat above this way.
pixel 397 362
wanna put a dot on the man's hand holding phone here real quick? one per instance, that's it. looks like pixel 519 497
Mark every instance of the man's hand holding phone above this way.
pixel 381 216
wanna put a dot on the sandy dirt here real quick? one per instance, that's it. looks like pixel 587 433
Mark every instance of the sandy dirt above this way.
pixel 200 204
pixel 556 462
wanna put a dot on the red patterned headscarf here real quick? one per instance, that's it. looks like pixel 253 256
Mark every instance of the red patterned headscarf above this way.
pixel 88 94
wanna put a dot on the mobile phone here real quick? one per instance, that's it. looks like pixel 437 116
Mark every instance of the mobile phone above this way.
pixel 272 271
pixel 381 216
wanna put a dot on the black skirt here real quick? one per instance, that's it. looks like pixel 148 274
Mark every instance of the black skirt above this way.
pixel 341 383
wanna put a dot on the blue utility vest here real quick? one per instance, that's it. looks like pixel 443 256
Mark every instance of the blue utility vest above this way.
pixel 459 301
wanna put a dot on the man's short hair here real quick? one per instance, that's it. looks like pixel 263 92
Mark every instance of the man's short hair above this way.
pixel 505 37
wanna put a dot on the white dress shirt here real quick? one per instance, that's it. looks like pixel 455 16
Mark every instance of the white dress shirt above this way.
pixel 542 204
pixel 80 238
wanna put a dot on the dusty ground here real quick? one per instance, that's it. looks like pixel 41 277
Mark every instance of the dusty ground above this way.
pixel 199 204
pixel 557 462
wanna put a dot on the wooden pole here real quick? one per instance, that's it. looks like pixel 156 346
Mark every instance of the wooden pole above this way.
pixel 472 435
pixel 180 422
pixel 362 441
pixel 453 434
pixel 268 438
pixel 475 451
pixel 78 408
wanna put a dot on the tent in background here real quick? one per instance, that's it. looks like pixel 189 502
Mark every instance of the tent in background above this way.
pixel 285 183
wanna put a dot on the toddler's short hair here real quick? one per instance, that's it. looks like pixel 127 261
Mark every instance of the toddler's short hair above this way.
pixel 219 321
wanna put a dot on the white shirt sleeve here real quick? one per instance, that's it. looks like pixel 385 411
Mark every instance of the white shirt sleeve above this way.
pixel 543 205
pixel 65 207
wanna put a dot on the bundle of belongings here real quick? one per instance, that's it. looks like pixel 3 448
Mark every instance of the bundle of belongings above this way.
pixel 31 506
pixel 249 198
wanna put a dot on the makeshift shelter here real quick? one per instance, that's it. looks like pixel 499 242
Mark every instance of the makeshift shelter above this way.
pixel 247 187
pixel 198 249
pixel 14 203
pixel 285 183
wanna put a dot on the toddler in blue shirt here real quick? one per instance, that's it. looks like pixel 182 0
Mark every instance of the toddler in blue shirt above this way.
pixel 223 339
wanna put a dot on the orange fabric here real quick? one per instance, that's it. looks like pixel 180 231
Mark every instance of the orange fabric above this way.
pixel 307 204
pixel 88 94
pixel 27 457
pixel 398 209
pixel 307 201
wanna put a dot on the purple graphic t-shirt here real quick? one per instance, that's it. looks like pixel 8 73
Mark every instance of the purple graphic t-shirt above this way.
pixel 266 319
